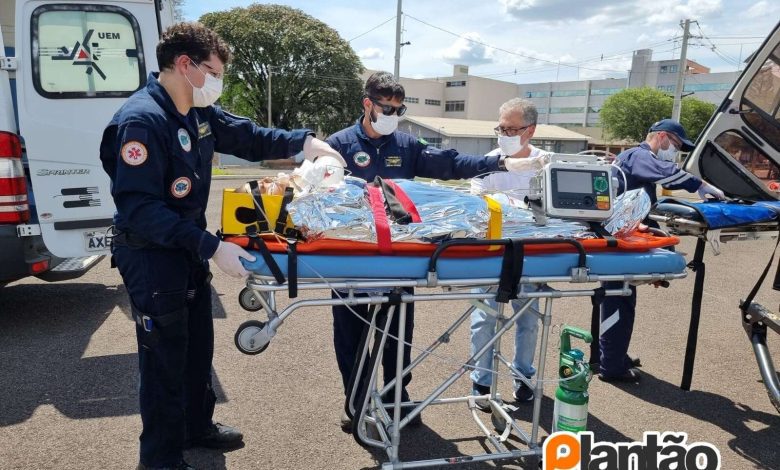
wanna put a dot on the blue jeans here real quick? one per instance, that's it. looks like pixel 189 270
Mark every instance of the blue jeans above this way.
pixel 526 331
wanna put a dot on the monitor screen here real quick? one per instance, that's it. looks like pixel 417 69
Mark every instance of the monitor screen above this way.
pixel 574 182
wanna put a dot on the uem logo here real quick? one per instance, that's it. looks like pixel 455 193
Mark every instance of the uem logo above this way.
pixel 82 54
pixel 657 451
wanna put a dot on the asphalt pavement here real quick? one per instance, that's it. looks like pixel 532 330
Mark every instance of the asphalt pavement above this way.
pixel 68 371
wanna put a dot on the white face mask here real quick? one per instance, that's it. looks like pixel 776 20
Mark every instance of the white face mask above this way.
pixel 668 155
pixel 385 125
pixel 209 93
pixel 511 145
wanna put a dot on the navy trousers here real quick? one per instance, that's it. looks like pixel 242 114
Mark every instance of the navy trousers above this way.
pixel 617 324
pixel 171 288
pixel 347 330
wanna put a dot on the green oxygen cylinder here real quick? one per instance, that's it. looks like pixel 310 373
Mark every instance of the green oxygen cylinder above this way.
pixel 570 412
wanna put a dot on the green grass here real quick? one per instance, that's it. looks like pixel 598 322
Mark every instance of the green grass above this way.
pixel 219 171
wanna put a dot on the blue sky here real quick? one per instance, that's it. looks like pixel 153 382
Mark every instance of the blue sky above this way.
pixel 522 41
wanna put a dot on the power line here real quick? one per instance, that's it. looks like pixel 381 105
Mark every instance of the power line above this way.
pixel 374 28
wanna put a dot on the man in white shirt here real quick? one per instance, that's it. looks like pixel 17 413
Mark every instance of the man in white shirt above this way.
pixel 516 126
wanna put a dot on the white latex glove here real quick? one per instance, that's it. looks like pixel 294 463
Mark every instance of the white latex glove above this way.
pixel 314 148
pixel 707 188
pixel 228 259
pixel 519 165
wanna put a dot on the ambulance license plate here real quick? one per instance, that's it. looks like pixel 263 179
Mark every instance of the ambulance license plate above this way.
pixel 96 241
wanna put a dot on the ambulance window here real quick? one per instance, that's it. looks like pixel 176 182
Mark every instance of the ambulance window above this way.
pixel 86 51
pixel 749 156
pixel 761 102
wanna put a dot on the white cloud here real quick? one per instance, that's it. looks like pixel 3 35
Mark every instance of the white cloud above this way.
pixel 467 52
pixel 759 10
pixel 371 53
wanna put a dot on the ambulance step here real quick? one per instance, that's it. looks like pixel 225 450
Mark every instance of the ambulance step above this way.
pixel 81 263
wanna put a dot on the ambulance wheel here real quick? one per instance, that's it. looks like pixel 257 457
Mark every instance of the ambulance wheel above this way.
pixel 499 423
pixel 248 300
pixel 243 338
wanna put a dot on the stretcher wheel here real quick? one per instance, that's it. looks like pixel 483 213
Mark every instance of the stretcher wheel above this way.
pixel 248 300
pixel 244 337
pixel 498 422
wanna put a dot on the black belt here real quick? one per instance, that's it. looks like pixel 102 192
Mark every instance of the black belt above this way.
pixel 131 240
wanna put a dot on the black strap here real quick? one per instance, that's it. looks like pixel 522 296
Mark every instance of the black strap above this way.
pixel 511 271
pixel 746 303
pixel 696 265
pixel 292 268
pixel 599 230
pixel 397 212
pixel 262 222
pixel 256 242
pixel 281 220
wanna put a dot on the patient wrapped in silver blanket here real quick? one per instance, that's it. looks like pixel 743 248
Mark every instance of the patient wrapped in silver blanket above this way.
pixel 445 212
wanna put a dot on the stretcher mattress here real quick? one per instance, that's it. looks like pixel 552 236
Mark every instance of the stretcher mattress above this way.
pixel 656 261
pixel 718 215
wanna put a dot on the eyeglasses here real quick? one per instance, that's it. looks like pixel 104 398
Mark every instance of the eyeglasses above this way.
pixel 673 138
pixel 387 109
pixel 211 71
pixel 510 131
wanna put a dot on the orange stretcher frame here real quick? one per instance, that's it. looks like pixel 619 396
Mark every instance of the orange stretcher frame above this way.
pixel 636 242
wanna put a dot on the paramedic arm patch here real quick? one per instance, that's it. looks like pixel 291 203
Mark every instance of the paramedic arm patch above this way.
pixel 134 151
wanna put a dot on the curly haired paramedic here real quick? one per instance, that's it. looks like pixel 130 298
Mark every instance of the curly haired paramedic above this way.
pixel 158 150
pixel 645 166
pixel 372 147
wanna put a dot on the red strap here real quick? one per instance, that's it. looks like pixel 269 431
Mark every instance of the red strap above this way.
pixel 403 198
pixel 383 238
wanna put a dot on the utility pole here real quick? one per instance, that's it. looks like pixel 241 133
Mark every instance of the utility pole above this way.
pixel 270 122
pixel 397 71
pixel 677 107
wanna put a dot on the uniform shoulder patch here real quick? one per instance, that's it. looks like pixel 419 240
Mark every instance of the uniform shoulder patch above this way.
pixel 181 187
pixel 422 141
pixel 134 153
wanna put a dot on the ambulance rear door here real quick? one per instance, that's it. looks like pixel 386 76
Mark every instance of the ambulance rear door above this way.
pixel 77 63
pixel 739 150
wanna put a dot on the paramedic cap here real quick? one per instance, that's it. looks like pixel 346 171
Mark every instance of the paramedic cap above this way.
pixel 670 125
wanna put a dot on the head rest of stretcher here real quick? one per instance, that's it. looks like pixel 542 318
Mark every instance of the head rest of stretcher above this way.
pixel 718 214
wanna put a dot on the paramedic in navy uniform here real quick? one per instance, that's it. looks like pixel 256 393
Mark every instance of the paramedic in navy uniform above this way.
pixel 158 150
pixel 374 147
pixel 645 166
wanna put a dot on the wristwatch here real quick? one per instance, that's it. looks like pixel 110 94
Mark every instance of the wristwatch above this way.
pixel 502 163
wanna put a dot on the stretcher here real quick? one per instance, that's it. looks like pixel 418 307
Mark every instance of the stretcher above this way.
pixel 497 267
pixel 716 223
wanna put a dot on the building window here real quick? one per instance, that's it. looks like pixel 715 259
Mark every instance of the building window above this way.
pixel 567 110
pixel 456 83
pixel 537 94
pixel 86 51
pixel 664 69
pixel 673 68
pixel 667 88
pixel 669 68
pixel 707 86
pixel 433 102
pixel 604 91
pixel 433 141
pixel 568 93
pixel 541 110
pixel 548 145
pixel 409 99
pixel 454 106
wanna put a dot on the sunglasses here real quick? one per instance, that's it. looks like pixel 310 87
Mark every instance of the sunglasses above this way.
pixel 389 110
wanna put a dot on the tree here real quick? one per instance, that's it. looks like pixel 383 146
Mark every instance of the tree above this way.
pixel 694 115
pixel 314 73
pixel 629 113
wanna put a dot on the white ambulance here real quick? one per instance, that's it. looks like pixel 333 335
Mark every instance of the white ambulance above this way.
pixel 65 68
